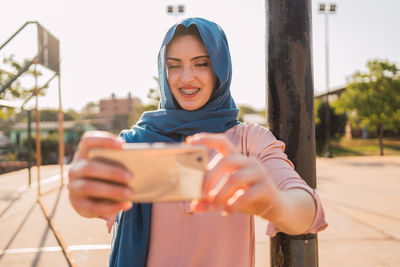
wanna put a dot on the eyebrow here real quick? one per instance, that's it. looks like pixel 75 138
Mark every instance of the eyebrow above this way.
pixel 177 59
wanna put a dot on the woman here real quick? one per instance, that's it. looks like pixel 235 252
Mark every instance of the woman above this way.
pixel 248 173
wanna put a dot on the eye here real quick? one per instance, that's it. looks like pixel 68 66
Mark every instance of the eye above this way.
pixel 202 64
pixel 170 67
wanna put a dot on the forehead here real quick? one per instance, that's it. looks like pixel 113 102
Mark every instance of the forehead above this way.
pixel 186 44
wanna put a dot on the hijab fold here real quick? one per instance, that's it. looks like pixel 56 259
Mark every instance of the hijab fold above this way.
pixel 170 124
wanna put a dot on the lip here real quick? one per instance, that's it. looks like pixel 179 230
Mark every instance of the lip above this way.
pixel 188 87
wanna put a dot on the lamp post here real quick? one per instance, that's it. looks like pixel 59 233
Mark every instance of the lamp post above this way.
pixel 291 111
pixel 175 10
pixel 326 10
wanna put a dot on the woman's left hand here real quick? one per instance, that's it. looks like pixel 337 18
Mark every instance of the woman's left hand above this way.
pixel 234 182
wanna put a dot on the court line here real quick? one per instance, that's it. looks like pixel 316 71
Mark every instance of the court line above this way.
pixel 48 180
pixel 385 232
pixel 55 249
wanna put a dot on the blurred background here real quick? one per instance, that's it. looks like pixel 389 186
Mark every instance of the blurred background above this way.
pixel 108 78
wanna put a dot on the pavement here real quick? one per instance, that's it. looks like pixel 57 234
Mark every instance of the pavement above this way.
pixel 360 196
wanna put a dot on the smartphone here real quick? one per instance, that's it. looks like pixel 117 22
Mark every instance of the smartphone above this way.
pixel 162 172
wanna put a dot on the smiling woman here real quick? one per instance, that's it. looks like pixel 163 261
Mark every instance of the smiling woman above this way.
pixel 248 173
pixel 189 72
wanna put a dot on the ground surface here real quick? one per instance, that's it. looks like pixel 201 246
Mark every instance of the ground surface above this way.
pixel 360 194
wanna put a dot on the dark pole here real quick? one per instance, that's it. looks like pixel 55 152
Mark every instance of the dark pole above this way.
pixel 291 110
pixel 327 108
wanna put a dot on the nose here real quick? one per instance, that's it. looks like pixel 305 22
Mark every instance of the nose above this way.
pixel 187 74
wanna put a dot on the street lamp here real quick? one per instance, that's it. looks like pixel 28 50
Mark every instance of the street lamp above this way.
pixel 175 10
pixel 324 9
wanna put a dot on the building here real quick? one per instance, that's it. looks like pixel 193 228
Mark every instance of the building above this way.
pixel 114 110
pixel 333 94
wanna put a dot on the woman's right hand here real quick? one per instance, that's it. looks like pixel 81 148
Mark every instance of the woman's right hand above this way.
pixel 98 189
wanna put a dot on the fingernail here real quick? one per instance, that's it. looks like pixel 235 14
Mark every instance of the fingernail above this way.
pixel 128 192
pixel 193 205
pixel 224 213
pixel 212 193
pixel 127 175
pixel 127 206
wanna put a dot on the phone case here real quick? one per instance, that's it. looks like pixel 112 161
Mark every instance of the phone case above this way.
pixel 161 172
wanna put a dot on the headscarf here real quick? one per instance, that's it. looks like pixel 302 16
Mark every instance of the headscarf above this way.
pixel 171 124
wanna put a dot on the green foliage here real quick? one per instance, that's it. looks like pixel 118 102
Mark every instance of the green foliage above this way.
pixel 90 111
pixel 52 115
pixel 372 99
pixel 135 115
pixel 7 118
pixel 48 114
pixel 317 104
pixel 337 125
pixel 119 122
pixel 154 93
pixel 150 107
pixel 10 156
pixel 71 115
pixel 154 96
pixel 16 91
pixel 246 109
pixel 6 113
pixel 49 150
pixel 364 147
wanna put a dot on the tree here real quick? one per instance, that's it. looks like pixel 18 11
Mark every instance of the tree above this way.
pixel 337 125
pixel 372 99
pixel 246 109
pixel 317 104
pixel 135 115
pixel 90 111
pixel 50 114
pixel 16 91
pixel 154 96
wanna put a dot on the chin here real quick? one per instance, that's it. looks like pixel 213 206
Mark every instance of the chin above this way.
pixel 190 108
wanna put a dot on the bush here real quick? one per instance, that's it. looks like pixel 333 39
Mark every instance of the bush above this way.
pixel 338 126
pixel 49 150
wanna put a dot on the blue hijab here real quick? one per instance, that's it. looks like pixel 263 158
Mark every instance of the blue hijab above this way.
pixel 171 124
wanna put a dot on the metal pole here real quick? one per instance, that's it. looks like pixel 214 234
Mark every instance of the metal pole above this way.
pixel 37 117
pixel 67 253
pixel 291 110
pixel 15 34
pixel 29 147
pixel 327 109
pixel 40 89
pixel 20 72
pixel 60 132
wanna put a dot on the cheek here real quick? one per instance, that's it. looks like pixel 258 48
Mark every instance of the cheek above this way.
pixel 211 80
pixel 207 77
pixel 172 79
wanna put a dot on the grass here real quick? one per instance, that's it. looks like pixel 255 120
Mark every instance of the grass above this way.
pixel 364 147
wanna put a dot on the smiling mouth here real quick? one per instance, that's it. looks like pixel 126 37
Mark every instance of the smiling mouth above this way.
pixel 189 91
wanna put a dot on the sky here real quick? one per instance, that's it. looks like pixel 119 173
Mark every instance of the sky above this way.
pixel 112 46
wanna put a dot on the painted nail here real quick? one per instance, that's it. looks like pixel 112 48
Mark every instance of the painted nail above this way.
pixel 224 213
